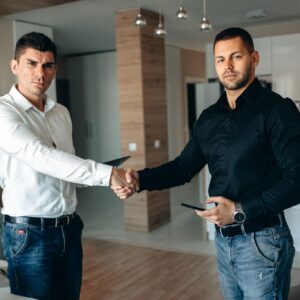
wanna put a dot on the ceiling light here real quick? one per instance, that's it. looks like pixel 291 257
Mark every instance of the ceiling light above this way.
pixel 140 20
pixel 205 25
pixel 160 30
pixel 181 13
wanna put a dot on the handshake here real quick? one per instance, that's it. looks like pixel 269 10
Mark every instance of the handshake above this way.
pixel 124 182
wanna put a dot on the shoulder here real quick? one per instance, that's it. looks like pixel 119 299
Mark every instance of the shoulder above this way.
pixel 208 113
pixel 275 103
pixel 61 108
pixel 280 112
pixel 60 112
pixel 7 103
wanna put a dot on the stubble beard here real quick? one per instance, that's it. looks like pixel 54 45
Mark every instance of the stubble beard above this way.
pixel 239 83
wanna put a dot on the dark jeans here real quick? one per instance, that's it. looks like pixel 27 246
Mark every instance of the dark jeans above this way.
pixel 44 263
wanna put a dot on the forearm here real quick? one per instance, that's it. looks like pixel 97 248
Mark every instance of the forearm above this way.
pixel 168 175
pixel 22 144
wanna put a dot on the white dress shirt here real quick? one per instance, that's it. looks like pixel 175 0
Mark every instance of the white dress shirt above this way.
pixel 38 168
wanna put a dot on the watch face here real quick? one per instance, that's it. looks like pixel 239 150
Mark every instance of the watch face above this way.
pixel 239 217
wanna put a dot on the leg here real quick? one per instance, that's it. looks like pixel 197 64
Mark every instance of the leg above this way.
pixel 68 275
pixel 257 265
pixel 31 254
pixel 228 282
pixel 272 253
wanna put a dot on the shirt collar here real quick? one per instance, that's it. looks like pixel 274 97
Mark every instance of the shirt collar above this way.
pixel 249 94
pixel 25 104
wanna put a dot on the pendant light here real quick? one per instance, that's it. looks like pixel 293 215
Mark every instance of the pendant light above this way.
pixel 160 30
pixel 140 20
pixel 205 25
pixel 181 13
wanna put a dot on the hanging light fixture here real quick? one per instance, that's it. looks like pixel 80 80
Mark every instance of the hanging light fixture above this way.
pixel 160 30
pixel 140 20
pixel 181 13
pixel 205 25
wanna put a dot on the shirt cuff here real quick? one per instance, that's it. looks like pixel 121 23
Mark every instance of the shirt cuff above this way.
pixel 104 173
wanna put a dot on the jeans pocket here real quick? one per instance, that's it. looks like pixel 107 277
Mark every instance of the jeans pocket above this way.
pixel 265 247
pixel 19 240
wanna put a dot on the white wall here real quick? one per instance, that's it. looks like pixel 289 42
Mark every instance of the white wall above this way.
pixel 7 79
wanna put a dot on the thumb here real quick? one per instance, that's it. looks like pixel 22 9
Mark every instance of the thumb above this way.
pixel 129 175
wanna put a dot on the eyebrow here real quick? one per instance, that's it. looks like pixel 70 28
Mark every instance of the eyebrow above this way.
pixel 220 56
pixel 35 61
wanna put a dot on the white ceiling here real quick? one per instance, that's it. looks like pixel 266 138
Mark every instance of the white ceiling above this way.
pixel 88 25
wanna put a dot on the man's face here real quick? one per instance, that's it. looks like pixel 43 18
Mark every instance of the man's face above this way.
pixel 235 66
pixel 35 71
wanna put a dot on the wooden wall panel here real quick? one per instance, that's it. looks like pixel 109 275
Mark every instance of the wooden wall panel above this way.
pixel 143 113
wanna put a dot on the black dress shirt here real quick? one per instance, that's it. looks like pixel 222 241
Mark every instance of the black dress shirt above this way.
pixel 252 152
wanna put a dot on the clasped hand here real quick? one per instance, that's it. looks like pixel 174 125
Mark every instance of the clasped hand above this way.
pixel 124 183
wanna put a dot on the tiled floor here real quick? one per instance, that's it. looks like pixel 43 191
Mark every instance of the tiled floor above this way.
pixel 102 213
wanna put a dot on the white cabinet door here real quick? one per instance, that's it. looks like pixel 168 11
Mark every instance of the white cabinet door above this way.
pixel 210 61
pixel 264 47
pixel 286 65
pixel 95 105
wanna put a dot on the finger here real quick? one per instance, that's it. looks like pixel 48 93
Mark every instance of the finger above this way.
pixel 116 187
pixel 211 200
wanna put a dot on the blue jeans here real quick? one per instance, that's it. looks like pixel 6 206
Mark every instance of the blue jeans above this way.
pixel 44 263
pixel 256 266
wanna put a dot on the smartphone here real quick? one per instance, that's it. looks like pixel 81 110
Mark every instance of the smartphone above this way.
pixel 192 206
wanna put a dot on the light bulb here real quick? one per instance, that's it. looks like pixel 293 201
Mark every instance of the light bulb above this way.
pixel 181 13
pixel 160 31
pixel 205 25
pixel 140 21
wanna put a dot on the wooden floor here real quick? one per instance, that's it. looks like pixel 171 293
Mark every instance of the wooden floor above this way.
pixel 118 271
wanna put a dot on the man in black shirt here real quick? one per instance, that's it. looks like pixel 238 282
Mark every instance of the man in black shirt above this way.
pixel 250 139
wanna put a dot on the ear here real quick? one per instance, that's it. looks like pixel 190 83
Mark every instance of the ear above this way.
pixel 255 58
pixel 14 66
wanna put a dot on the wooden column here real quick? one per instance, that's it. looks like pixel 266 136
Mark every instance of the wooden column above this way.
pixel 143 114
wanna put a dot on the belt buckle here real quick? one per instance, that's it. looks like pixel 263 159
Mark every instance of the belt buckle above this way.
pixel 68 219
pixel 56 222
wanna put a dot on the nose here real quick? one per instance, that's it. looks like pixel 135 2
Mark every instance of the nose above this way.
pixel 228 65
pixel 39 72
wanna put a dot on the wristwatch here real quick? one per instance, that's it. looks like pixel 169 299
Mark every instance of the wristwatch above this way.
pixel 239 215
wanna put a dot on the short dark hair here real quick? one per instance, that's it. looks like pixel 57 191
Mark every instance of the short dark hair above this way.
pixel 234 32
pixel 35 40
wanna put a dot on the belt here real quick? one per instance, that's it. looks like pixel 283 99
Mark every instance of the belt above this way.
pixel 54 222
pixel 249 227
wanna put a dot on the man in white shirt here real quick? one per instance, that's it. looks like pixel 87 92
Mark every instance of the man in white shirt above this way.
pixel 39 171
